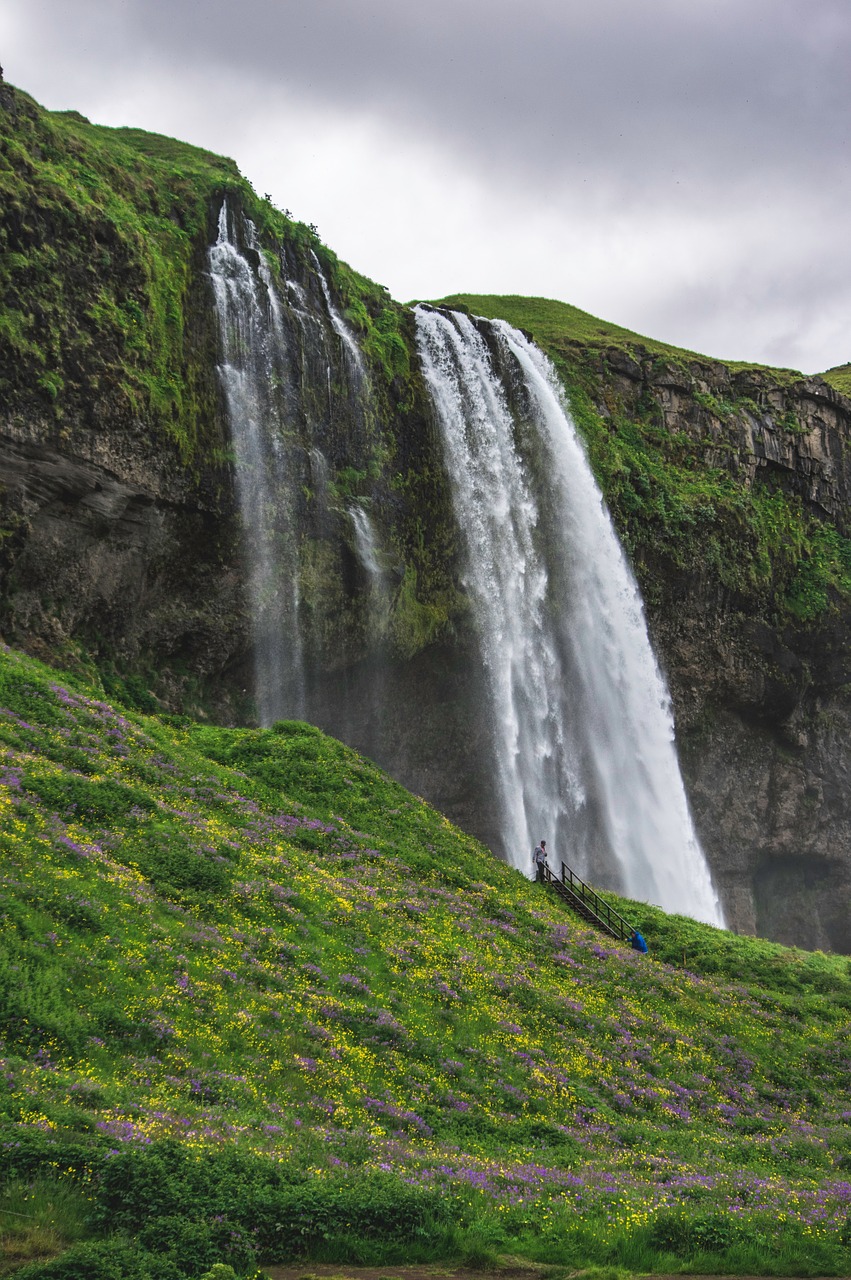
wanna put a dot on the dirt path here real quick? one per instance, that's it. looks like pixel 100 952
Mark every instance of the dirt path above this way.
pixel 437 1271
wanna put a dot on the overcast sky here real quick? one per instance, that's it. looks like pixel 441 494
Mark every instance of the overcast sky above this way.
pixel 680 167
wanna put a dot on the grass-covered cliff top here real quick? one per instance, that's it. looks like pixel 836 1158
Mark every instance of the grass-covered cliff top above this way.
pixel 557 325
pixel 104 310
pixel 259 1002
pixel 679 483
pixel 839 377
pixel 550 321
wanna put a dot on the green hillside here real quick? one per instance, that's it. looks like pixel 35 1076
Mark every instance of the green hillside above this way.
pixel 260 1003
pixel 558 326
pixel 840 377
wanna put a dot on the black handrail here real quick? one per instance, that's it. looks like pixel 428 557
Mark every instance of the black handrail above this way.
pixel 612 921
pixel 598 905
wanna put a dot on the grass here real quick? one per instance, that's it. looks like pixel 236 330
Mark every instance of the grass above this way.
pixel 840 378
pixel 557 326
pixel 38 1218
pixel 260 1004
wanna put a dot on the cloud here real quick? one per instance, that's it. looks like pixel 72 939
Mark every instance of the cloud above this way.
pixel 679 168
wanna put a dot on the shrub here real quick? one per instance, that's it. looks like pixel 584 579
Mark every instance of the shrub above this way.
pixel 137 1186
pixel 683 1236
pixel 194 1245
pixel 372 1208
pixel 99 1260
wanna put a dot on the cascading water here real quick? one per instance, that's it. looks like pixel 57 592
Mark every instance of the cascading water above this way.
pixel 371 559
pixel 582 729
pixel 342 330
pixel 252 371
pixel 365 542
pixel 582 724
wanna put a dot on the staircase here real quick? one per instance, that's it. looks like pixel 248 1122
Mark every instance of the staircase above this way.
pixel 587 903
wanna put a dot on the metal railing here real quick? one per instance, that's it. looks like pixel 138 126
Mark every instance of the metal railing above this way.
pixel 612 921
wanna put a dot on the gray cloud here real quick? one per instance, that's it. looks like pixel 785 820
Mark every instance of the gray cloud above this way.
pixel 714 117
pixel 707 90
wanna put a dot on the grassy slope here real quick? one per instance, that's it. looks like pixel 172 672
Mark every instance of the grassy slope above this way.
pixel 840 377
pixel 253 991
pixel 554 325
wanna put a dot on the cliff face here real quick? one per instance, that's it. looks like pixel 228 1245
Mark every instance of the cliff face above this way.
pixel 761 695
pixel 123 548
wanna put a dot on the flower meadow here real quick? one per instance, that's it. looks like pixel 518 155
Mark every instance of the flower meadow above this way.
pixel 260 1004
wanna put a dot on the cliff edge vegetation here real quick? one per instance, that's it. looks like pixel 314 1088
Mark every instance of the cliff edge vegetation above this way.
pixel 260 1004
pixel 685 488
pixel 103 239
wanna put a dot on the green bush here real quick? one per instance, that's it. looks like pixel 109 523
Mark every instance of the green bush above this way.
pixel 376 1208
pixel 102 1260
pixel 685 1236
pixel 233 1204
pixel 195 1246
pixel 100 801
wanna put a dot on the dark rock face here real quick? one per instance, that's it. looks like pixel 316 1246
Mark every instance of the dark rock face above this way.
pixel 109 552
pixel 114 549
pixel 763 711
pixel 422 721
pixel 774 816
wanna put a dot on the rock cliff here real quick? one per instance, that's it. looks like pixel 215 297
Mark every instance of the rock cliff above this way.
pixel 761 695
pixel 122 549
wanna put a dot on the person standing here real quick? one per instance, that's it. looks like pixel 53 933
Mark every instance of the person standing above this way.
pixel 539 857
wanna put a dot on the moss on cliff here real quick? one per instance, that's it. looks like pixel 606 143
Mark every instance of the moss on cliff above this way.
pixel 103 234
pixel 681 499
pixel 98 232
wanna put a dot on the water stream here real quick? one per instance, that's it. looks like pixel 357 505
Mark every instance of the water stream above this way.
pixel 252 371
pixel 342 330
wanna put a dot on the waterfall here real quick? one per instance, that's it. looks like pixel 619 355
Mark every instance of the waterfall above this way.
pixel 338 324
pixel 366 544
pixel 320 476
pixel 253 371
pixel 583 733
pixel 378 595
pixel 579 719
